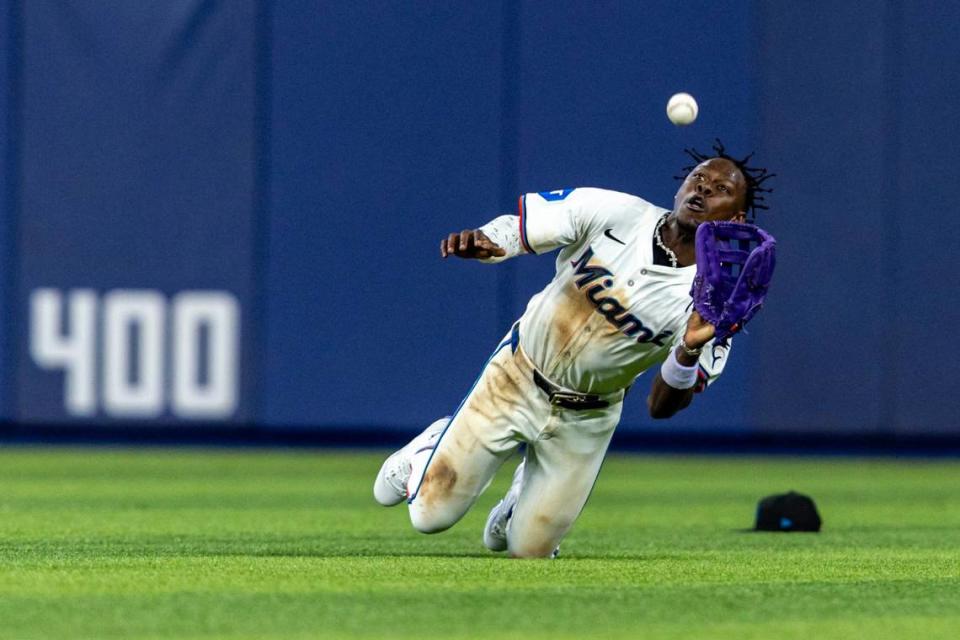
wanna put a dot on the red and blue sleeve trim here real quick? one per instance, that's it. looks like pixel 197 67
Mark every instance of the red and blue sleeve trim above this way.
pixel 522 206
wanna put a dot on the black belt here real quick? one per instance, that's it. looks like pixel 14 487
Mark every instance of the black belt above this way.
pixel 568 399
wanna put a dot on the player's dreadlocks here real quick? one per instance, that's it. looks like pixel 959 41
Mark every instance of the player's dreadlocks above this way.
pixel 755 176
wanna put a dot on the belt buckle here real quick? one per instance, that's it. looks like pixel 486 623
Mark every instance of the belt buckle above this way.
pixel 558 397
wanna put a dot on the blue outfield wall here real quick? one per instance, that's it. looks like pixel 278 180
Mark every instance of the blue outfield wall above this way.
pixel 132 248
pixel 386 123
pixel 227 215
pixel 7 151
pixel 858 118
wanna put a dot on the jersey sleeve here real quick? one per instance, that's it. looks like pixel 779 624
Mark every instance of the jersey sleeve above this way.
pixel 713 359
pixel 504 231
pixel 552 219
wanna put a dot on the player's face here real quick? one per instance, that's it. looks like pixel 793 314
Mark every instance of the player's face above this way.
pixel 714 190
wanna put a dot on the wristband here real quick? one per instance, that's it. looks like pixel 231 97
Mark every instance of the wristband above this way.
pixel 677 375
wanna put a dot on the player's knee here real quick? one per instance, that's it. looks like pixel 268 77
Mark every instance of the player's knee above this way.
pixel 535 544
pixel 431 519
pixel 532 549
pixel 428 523
pixel 438 504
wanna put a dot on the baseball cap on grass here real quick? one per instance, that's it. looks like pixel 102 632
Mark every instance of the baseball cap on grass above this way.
pixel 787 512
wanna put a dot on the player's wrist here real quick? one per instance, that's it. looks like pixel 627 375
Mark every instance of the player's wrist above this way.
pixel 684 359
pixel 692 346
pixel 679 370
pixel 686 353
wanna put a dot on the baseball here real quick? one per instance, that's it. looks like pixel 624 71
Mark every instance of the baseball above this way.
pixel 682 109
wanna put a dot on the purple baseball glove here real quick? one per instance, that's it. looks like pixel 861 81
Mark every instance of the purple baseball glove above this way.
pixel 734 266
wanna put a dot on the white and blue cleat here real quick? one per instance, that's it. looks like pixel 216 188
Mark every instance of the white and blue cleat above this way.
pixel 495 531
pixel 498 522
pixel 390 487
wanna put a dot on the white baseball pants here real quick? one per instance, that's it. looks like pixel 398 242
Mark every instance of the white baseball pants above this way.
pixel 505 408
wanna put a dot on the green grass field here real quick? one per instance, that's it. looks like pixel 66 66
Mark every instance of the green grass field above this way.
pixel 101 543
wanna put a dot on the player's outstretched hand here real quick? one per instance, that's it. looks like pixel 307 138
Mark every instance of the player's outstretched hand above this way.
pixel 470 243
pixel 699 332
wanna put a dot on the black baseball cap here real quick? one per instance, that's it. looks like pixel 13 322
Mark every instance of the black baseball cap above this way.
pixel 787 512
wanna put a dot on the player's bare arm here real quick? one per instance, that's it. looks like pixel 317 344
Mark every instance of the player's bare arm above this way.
pixel 472 244
pixel 664 401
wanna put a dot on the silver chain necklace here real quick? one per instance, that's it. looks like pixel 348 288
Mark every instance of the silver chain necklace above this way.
pixel 659 240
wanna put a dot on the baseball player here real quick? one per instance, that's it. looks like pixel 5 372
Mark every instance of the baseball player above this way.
pixel 618 306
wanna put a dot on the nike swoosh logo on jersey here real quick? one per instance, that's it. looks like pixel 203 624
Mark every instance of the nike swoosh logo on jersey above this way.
pixel 610 235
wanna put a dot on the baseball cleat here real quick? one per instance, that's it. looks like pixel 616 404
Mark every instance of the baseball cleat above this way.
pixel 495 531
pixel 390 487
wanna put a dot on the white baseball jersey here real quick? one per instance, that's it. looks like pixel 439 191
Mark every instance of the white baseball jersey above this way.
pixel 610 313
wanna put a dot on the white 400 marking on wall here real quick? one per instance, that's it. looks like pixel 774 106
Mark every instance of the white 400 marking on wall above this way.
pixel 203 354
